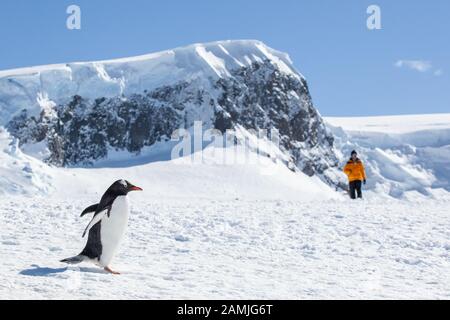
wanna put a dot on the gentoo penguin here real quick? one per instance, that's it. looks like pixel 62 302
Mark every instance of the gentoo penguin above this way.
pixel 107 227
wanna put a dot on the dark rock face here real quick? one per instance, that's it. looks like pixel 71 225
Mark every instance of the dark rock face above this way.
pixel 255 97
pixel 81 132
pixel 261 97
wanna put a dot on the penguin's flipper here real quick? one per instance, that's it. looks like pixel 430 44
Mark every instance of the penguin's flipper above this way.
pixel 96 219
pixel 90 209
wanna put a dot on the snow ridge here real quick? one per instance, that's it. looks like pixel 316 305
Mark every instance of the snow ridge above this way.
pixel 19 88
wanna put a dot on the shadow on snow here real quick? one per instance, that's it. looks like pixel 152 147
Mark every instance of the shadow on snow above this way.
pixel 37 271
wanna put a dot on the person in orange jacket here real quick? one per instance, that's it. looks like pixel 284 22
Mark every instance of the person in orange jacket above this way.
pixel 354 169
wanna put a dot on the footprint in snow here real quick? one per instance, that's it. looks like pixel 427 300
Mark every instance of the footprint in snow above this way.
pixel 10 243
pixel 181 238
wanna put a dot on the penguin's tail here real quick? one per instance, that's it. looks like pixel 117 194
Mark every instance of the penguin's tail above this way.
pixel 74 260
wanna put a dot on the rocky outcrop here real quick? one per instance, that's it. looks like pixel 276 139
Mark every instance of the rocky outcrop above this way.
pixel 255 97
pixel 262 93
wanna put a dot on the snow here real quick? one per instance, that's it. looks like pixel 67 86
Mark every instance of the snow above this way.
pixel 231 224
pixel 217 64
pixel 21 174
pixel 398 124
pixel 21 88
pixel 232 249
pixel 224 223
pixel 402 154
pixel 222 173
pixel 277 60
pixel 228 173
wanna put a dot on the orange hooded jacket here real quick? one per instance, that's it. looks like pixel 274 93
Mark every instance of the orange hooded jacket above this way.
pixel 355 170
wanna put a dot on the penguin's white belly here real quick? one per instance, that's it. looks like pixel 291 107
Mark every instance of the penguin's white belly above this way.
pixel 113 229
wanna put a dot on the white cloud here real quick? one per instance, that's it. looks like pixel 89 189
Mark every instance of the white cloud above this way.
pixel 420 66
pixel 438 72
pixel 417 65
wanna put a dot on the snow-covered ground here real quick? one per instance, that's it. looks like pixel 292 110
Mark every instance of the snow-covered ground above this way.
pixel 228 249
pixel 389 125
pixel 402 154
pixel 254 230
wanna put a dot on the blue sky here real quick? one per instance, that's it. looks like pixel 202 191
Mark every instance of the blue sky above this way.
pixel 402 69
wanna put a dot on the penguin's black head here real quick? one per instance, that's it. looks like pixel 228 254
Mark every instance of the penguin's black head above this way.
pixel 122 187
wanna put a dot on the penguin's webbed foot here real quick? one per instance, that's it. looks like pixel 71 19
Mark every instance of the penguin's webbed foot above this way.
pixel 108 269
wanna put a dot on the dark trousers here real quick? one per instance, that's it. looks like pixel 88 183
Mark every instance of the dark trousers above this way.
pixel 355 187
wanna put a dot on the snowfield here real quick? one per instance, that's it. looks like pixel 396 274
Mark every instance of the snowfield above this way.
pixel 226 223
pixel 402 154
pixel 232 249
pixel 389 125
pixel 250 231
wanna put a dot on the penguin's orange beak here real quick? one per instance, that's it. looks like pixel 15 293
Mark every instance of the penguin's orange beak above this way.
pixel 134 188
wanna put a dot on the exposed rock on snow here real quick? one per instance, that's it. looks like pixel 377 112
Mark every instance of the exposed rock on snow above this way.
pixel 83 111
